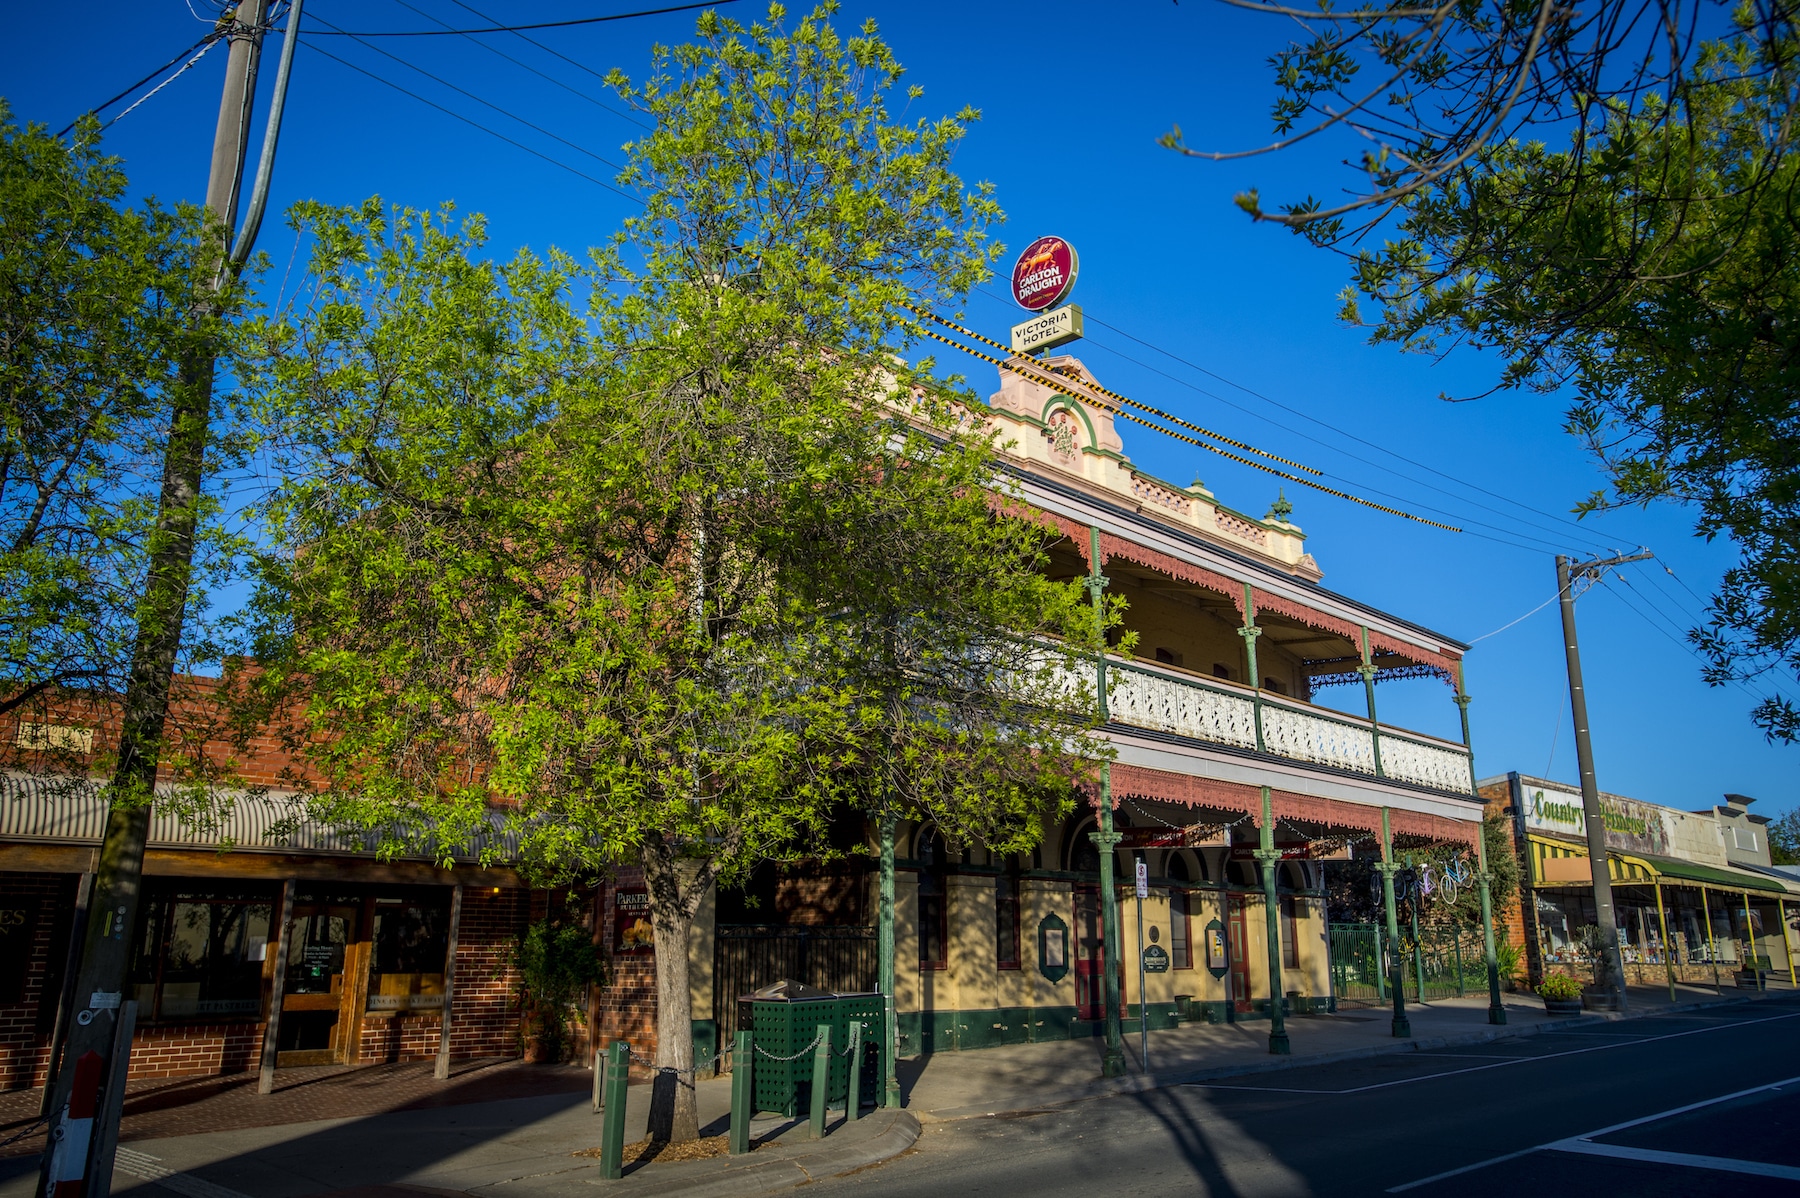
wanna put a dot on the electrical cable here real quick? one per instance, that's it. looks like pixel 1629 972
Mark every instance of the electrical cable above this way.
pixel 1143 407
pixel 1052 382
pixel 525 66
pixel 1549 544
pixel 551 50
pixel 1741 684
pixel 486 103
pixel 1587 535
pixel 1534 611
pixel 618 16
pixel 1333 428
pixel 316 49
pixel 203 45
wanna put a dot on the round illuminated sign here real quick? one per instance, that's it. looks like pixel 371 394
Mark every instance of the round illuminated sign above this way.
pixel 1044 274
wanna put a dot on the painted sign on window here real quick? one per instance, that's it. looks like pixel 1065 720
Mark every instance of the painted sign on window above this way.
pixel 631 922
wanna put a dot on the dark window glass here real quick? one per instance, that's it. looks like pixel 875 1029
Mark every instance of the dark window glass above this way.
pixel 201 955
pixel 412 938
pixel 933 902
pixel 1006 920
pixel 1290 933
pixel 1221 670
pixel 1181 952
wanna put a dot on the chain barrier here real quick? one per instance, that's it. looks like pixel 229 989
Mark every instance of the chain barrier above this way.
pixel 711 1063
pixel 815 1043
pixel 27 1130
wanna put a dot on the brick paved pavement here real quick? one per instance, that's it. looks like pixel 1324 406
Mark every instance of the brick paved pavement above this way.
pixel 161 1107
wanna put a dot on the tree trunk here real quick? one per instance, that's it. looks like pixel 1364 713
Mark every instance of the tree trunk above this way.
pixel 674 1113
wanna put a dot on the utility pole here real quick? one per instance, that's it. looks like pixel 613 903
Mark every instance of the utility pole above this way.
pixel 1610 982
pixel 105 960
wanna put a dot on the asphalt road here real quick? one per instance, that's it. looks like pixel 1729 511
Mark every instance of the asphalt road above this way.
pixel 1519 1118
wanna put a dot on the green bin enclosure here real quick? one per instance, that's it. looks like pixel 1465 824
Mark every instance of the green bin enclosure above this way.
pixel 783 1019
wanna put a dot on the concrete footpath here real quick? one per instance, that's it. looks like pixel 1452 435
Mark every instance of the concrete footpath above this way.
pixel 525 1147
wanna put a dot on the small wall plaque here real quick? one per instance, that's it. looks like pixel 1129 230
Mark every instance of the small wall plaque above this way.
pixel 1053 948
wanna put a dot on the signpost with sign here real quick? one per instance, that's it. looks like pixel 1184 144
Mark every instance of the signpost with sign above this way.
pixel 1143 892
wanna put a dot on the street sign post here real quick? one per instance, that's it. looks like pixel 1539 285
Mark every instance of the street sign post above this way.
pixel 1143 892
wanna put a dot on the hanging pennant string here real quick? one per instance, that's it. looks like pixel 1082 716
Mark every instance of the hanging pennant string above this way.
pixel 1049 380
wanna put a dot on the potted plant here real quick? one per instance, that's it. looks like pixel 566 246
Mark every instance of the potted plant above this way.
pixel 557 961
pixel 1561 994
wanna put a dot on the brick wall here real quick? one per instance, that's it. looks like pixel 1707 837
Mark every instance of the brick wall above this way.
pixel 1510 916
pixel 388 1038
pixel 182 1050
pixel 33 951
pixel 625 1009
pixel 485 1021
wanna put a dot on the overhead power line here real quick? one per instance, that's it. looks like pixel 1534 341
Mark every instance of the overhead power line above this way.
pixel 617 16
pixel 203 45
pixel 554 52
pixel 1142 407
pixel 525 66
pixel 1047 379
pixel 450 112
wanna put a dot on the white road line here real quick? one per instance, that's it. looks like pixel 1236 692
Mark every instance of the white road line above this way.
pixel 1688 1160
pixel 150 1168
pixel 1581 1143
pixel 1501 1064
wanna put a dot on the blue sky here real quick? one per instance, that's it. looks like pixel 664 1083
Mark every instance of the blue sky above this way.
pixel 1073 98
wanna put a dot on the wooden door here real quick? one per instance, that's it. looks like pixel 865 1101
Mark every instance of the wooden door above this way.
pixel 324 952
pixel 1090 955
pixel 1240 956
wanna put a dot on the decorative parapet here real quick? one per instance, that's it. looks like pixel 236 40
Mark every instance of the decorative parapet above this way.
pixel 1074 437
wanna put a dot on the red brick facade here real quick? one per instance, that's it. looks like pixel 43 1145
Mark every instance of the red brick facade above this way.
pixel 626 1009
pixel 29 906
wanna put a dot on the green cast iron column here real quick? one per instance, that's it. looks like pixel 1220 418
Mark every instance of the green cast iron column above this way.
pixel 1250 632
pixel 1367 670
pixel 890 1048
pixel 1402 1026
pixel 1496 1009
pixel 1271 861
pixel 1112 1062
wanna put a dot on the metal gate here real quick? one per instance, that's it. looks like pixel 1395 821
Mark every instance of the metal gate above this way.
pixel 747 957
pixel 1450 962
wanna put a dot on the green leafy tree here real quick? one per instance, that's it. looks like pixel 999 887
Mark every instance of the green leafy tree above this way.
pixel 1607 205
pixel 586 585
pixel 1784 839
pixel 100 311
pixel 558 961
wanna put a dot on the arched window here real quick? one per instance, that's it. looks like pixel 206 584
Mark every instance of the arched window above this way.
pixel 1181 954
pixel 934 900
pixel 1084 855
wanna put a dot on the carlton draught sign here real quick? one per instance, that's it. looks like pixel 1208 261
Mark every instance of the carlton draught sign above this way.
pixel 1044 274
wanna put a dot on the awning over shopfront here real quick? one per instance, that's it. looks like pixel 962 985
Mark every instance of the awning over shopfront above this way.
pixel 1560 863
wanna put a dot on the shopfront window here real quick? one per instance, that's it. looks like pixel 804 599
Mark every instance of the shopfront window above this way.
pixel 201 954
pixel 412 939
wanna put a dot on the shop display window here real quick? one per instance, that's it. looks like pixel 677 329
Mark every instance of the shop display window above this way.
pixel 1181 948
pixel 412 940
pixel 201 954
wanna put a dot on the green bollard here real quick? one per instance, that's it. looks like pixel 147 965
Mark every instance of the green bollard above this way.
pixel 853 1096
pixel 821 1084
pixel 741 1055
pixel 612 1123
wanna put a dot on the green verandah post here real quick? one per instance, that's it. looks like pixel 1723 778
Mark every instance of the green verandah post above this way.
pixel 1271 861
pixel 1402 1026
pixel 890 1039
pixel 1496 1008
pixel 853 1095
pixel 1112 1062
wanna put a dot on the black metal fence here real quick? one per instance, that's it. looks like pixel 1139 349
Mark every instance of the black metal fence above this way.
pixel 748 957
